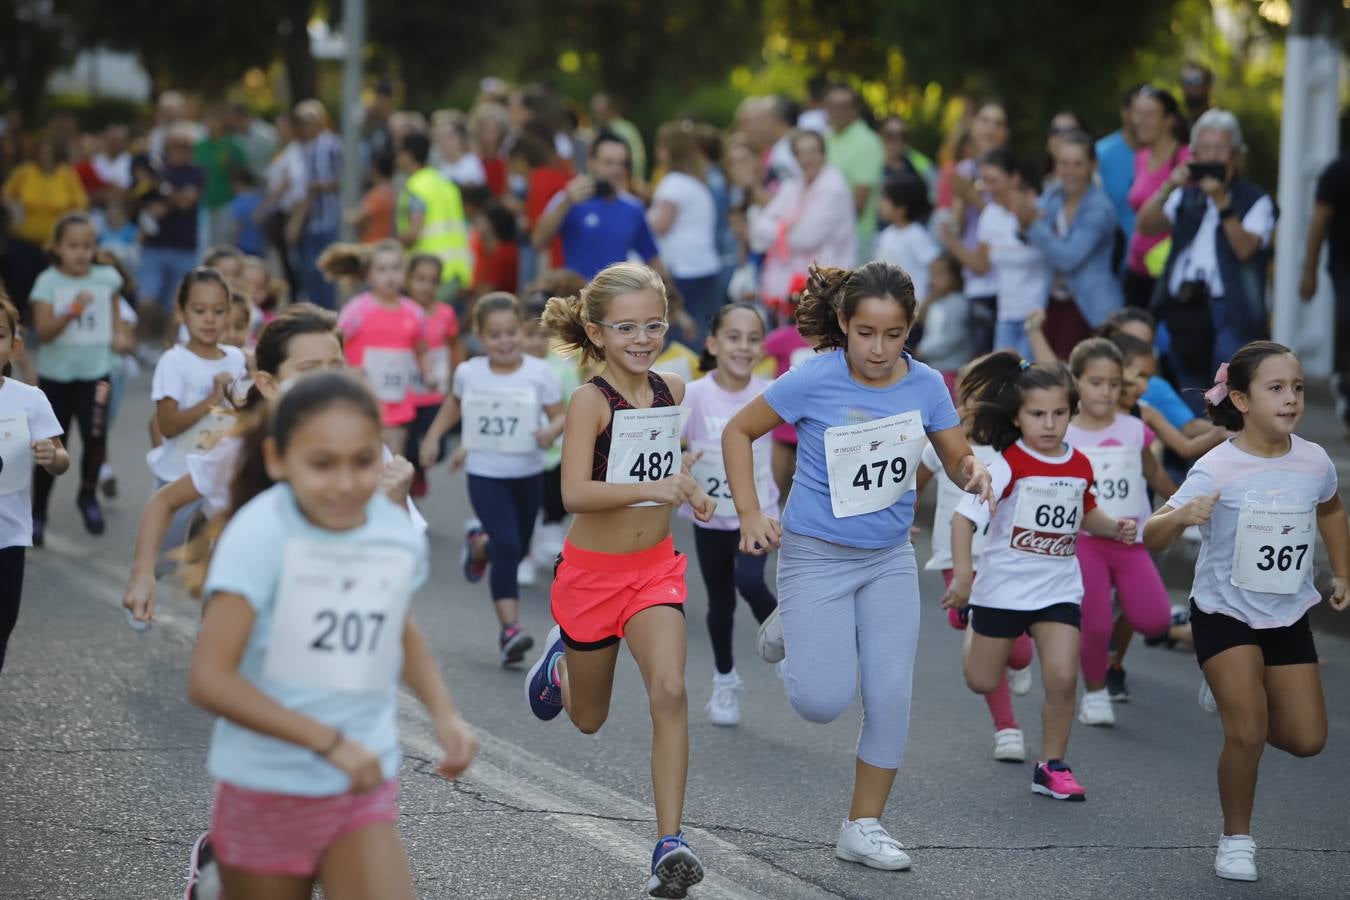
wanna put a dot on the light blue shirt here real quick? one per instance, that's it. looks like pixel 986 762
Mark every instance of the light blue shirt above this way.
pixel 1164 398
pixel 248 561
pixel 820 394
pixel 69 357
pixel 1115 164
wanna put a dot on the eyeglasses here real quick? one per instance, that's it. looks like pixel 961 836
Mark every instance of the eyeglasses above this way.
pixel 629 330
pixel 1057 130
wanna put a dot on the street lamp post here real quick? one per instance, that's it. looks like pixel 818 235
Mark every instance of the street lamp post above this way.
pixel 354 41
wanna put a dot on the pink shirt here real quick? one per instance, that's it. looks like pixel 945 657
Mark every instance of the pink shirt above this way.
pixel 440 326
pixel 1145 185
pixel 1125 431
pixel 787 347
pixel 395 333
pixel 710 407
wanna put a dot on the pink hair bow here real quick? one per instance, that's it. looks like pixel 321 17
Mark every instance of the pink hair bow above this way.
pixel 1216 394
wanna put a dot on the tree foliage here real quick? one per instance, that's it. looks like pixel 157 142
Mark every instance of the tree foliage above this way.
pixel 31 47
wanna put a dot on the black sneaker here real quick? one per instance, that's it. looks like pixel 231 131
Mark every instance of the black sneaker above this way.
pixel 109 487
pixel 513 643
pixel 90 511
pixel 1115 685
pixel 39 530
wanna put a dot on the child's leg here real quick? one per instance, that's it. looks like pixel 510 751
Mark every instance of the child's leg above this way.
pixel 1139 590
pixel 656 638
pixel 1023 652
pixel 395 436
pixel 1237 676
pixel 61 395
pixel 368 862
pixel 1097 615
pixel 1297 712
pixel 751 584
pixel 716 551
pixel 984 661
pixel 92 412
pixel 494 504
pixel 1057 646
pixel 1121 636
pixel 587 681
pixel 11 590
pixel 238 883
pixel 527 494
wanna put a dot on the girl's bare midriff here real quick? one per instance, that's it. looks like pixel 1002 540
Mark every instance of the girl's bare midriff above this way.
pixel 620 531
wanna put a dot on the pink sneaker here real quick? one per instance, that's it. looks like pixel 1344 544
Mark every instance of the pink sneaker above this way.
pixel 959 618
pixel 1054 779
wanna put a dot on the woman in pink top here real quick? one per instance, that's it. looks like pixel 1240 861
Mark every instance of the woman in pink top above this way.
pixel 441 334
pixel 382 329
pixel 1160 132
pixel 787 348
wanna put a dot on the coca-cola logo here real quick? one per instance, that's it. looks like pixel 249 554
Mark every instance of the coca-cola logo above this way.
pixel 1043 543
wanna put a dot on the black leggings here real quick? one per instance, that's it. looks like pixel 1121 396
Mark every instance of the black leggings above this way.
pixel 727 570
pixel 11 589
pixel 554 511
pixel 87 402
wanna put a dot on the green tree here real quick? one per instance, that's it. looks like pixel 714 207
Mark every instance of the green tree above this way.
pixel 31 48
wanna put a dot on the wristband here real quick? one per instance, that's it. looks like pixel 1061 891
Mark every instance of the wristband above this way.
pixel 1227 213
pixel 332 745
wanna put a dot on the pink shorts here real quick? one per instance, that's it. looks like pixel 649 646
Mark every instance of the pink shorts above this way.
pixel 283 834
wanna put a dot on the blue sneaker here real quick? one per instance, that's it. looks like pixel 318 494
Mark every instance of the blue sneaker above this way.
pixel 675 868
pixel 545 696
pixel 474 569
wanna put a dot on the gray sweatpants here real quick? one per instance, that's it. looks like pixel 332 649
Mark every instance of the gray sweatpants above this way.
pixel 851 614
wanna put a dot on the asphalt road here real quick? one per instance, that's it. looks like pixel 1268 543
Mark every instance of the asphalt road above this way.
pixel 103 785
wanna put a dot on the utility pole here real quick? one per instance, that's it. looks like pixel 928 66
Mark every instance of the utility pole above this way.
pixel 354 42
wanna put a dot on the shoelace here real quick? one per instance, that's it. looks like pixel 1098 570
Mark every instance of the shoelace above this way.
pixel 1246 851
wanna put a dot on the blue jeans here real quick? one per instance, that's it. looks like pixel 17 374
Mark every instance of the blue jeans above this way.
pixel 318 290
pixel 1012 336
pixel 700 301
pixel 1227 341
pixel 162 271
pixel 507 508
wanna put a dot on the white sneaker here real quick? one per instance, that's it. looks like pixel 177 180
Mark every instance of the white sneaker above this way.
pixel 1008 745
pixel 771 638
pixel 1236 859
pixel 865 841
pixel 724 708
pixel 1019 681
pixel 526 574
pixel 1207 701
pixel 547 542
pixel 1095 709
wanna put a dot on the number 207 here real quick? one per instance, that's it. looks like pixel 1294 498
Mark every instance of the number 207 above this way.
pixel 347 631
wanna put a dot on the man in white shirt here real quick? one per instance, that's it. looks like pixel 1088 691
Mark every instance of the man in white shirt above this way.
pixel 112 164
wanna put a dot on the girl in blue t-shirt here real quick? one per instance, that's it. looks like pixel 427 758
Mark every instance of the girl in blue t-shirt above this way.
pixel 305 636
pixel 848 590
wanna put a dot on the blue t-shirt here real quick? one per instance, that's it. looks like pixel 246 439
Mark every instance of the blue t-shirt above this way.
pixel 597 233
pixel 1115 163
pixel 178 228
pixel 250 236
pixel 820 394
pixel 1164 398
pixel 248 561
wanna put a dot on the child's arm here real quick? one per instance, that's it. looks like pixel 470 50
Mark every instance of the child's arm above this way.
pixel 1100 523
pixel 960 463
pixel 51 455
pixel 1041 351
pixel 422 676
pixel 214 684
pixel 557 419
pixel 963 566
pixel 456 352
pixel 1178 443
pixel 446 417
pixel 156 520
pixel 1156 476
pixel 759 533
pixel 921 480
pixel 1335 531
pixel 48 324
pixel 1167 524
pixel 173 421
pixel 124 335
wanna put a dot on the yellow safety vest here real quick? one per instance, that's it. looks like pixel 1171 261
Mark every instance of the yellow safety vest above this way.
pixel 445 234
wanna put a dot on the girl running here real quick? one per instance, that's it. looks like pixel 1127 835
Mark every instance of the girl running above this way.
pixel 1117 444
pixel 848 588
pixel 786 346
pixel 618 575
pixel 30 435
pixel 734 346
pixel 1028 579
pixel 383 329
pixel 1258 500
pixel 76 317
pixel 1009 742
pixel 441 334
pixel 305 637
pixel 499 397
pixel 301 340
pixel 193 385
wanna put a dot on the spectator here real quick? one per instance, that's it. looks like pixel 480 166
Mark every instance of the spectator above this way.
pixel 1158 128
pixel 1215 276
pixel 112 163
pixel 1331 223
pixel 245 217
pixel 37 193
pixel 809 220
pixel 169 221
pixel 545 176
pixel 1115 167
pixel 498 265
pixel 903 159
pixel 220 156
pixel 455 158
pixel 283 204
pixel 599 221
pixel 1061 123
pixel 728 246
pixel 256 138
pixel 945 344
pixel 767 122
pixel 814 117
pixel 377 137
pixel 430 216
pixel 605 116
pixel 1074 227
pixel 374 220
pixel 855 150
pixel 906 241
pixel 683 218
pixel 488 128
pixel 171 112
pixel 988 132
pixel 322 205
pixel 1196 84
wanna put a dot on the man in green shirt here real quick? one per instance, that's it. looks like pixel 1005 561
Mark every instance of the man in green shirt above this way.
pixel 855 150
pixel 220 156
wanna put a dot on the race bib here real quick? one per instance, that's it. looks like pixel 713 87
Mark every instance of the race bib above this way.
pixel 948 498
pixel 1046 519
pixel 16 454
pixel 872 465
pixel 502 420
pixel 93 327
pixel 1119 474
pixel 1273 549
pixel 644 446
pixel 202 436
pixel 338 621
pixel 711 474
pixel 438 368
pixel 389 373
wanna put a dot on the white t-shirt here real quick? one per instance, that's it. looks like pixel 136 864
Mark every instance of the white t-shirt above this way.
pixel 213 473
pixel 22 408
pixel 688 247
pixel 1271 489
pixel 911 248
pixel 465 171
pixel 189 379
pixel 948 499
pixel 1200 260
pixel 1019 268
pixel 286 173
pixel 535 376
